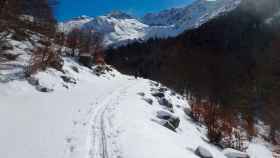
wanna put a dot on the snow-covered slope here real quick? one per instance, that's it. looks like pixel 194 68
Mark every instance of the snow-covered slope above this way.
pixel 120 28
pixel 99 116
pixel 88 115
pixel 117 28
pixel 190 16
pixel 74 23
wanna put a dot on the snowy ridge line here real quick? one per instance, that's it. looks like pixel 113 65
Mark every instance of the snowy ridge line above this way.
pixel 120 29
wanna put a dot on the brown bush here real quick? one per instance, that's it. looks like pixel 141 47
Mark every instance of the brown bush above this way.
pixel 224 128
pixel 42 58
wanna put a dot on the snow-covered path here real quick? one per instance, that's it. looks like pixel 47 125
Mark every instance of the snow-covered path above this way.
pixel 102 140
pixel 60 124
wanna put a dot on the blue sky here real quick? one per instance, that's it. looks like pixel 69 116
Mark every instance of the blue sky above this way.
pixel 72 8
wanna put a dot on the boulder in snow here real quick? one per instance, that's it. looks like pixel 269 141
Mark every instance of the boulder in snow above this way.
pixel 142 94
pixel 102 70
pixel 6 46
pixel 86 60
pixel 165 102
pixel 170 121
pixel 203 152
pixel 162 89
pixel 76 69
pixel 149 100
pixel 43 89
pixel 188 111
pixel 68 79
pixel 33 81
pixel 159 94
pixel 231 153
pixel 9 56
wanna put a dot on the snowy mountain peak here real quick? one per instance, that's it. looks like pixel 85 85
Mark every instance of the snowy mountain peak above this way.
pixel 121 28
pixel 119 15
pixel 192 15
pixel 79 19
pixel 83 17
pixel 74 23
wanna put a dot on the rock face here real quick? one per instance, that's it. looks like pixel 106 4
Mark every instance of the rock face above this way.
pixel 169 121
pixel 231 153
pixel 203 152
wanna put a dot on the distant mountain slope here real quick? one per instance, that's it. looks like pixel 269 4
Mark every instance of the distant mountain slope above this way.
pixel 120 28
pixel 190 16
pixel 117 28
pixel 77 22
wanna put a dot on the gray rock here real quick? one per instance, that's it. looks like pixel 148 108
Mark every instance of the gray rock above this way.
pixel 68 79
pixel 148 100
pixel 188 111
pixel 170 121
pixel 203 152
pixel 164 115
pixel 162 89
pixel 43 89
pixel 86 60
pixel 142 94
pixel 33 81
pixel 74 68
pixel 232 153
pixel 6 46
pixel 9 56
pixel 173 93
pixel 158 94
pixel 165 102
pixel 102 70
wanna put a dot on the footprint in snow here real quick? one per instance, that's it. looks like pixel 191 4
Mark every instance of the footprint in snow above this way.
pixel 69 140
pixel 72 148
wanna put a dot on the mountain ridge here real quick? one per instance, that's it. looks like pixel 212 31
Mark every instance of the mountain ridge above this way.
pixel 120 28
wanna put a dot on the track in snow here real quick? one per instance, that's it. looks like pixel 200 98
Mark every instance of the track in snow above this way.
pixel 103 134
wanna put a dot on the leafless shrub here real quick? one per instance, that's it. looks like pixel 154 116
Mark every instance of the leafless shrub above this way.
pixel 224 126
pixel 42 58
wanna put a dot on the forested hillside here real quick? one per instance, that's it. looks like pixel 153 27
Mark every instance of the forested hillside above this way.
pixel 228 66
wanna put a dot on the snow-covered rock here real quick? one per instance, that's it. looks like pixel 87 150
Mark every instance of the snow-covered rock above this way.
pixel 203 152
pixel 231 153
pixel 259 151
pixel 164 102
pixel 169 121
